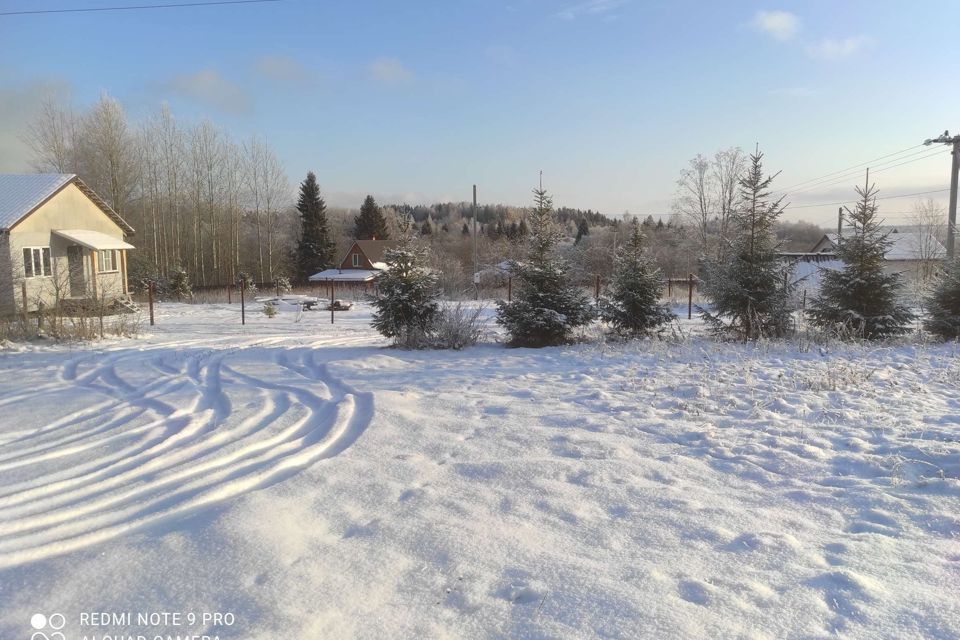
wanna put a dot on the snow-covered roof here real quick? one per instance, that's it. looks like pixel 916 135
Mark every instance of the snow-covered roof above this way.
pixel 906 245
pixel 92 239
pixel 345 275
pixel 22 193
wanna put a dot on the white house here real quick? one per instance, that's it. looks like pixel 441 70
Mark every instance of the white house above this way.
pixel 59 242
pixel 914 254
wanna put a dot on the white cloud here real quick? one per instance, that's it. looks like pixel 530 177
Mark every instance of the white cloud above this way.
pixel 590 8
pixel 834 48
pixel 283 70
pixel 389 71
pixel 781 25
pixel 209 87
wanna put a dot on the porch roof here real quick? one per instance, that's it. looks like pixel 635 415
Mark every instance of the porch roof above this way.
pixel 345 275
pixel 92 239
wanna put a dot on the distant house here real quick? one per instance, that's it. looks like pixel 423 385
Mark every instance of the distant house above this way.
pixel 915 255
pixel 59 242
pixel 363 262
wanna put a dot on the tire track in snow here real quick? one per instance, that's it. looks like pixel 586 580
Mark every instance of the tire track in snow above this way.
pixel 183 459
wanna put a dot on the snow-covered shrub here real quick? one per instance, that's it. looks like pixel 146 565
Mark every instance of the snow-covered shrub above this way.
pixel 547 306
pixel 633 307
pixel 406 302
pixel 248 283
pixel 862 299
pixel 282 284
pixel 749 290
pixel 458 326
pixel 178 285
pixel 943 305
pixel 270 310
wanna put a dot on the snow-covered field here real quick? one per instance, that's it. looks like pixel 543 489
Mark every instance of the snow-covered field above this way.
pixel 314 484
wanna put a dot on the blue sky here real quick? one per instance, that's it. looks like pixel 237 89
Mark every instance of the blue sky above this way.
pixel 419 100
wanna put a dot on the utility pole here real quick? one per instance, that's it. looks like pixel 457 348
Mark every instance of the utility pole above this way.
pixel 476 265
pixel 954 174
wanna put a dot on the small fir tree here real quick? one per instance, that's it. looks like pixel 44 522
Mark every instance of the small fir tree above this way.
pixel 633 307
pixel 466 229
pixel 180 284
pixel 249 284
pixel 370 224
pixel 546 307
pixel 861 299
pixel 426 228
pixel 406 303
pixel 943 305
pixel 750 290
pixel 583 229
pixel 315 248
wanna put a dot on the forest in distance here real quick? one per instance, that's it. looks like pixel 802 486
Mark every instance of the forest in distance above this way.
pixel 206 203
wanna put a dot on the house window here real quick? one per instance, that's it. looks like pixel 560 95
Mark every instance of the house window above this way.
pixel 36 261
pixel 107 261
pixel 356 259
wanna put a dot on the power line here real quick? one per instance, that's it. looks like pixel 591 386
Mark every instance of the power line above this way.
pixel 862 164
pixel 844 178
pixel 825 204
pixel 209 3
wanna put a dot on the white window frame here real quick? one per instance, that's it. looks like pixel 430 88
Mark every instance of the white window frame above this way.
pixel 37 255
pixel 356 259
pixel 101 263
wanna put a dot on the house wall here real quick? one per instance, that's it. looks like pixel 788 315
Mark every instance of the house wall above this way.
pixel 347 262
pixel 68 209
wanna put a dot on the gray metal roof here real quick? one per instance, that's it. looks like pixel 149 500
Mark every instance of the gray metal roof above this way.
pixel 22 193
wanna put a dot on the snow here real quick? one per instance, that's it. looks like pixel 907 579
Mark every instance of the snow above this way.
pixel 318 485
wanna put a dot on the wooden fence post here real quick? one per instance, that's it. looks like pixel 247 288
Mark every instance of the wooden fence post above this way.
pixel 331 302
pixel 23 293
pixel 669 288
pixel 243 308
pixel 229 294
pixel 690 299
pixel 509 288
pixel 150 287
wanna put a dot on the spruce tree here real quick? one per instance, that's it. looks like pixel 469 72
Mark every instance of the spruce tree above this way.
pixel 546 307
pixel 583 229
pixel 466 229
pixel 861 299
pixel 633 307
pixel 406 303
pixel 426 228
pixel 180 284
pixel 315 248
pixel 750 290
pixel 370 224
pixel 943 306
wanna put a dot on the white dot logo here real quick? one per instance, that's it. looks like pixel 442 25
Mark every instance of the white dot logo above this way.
pixel 42 624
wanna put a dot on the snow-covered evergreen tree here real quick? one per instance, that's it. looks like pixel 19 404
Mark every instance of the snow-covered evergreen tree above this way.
pixel 633 306
pixel 861 299
pixel 943 306
pixel 546 306
pixel 315 247
pixel 180 284
pixel 750 290
pixel 406 302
